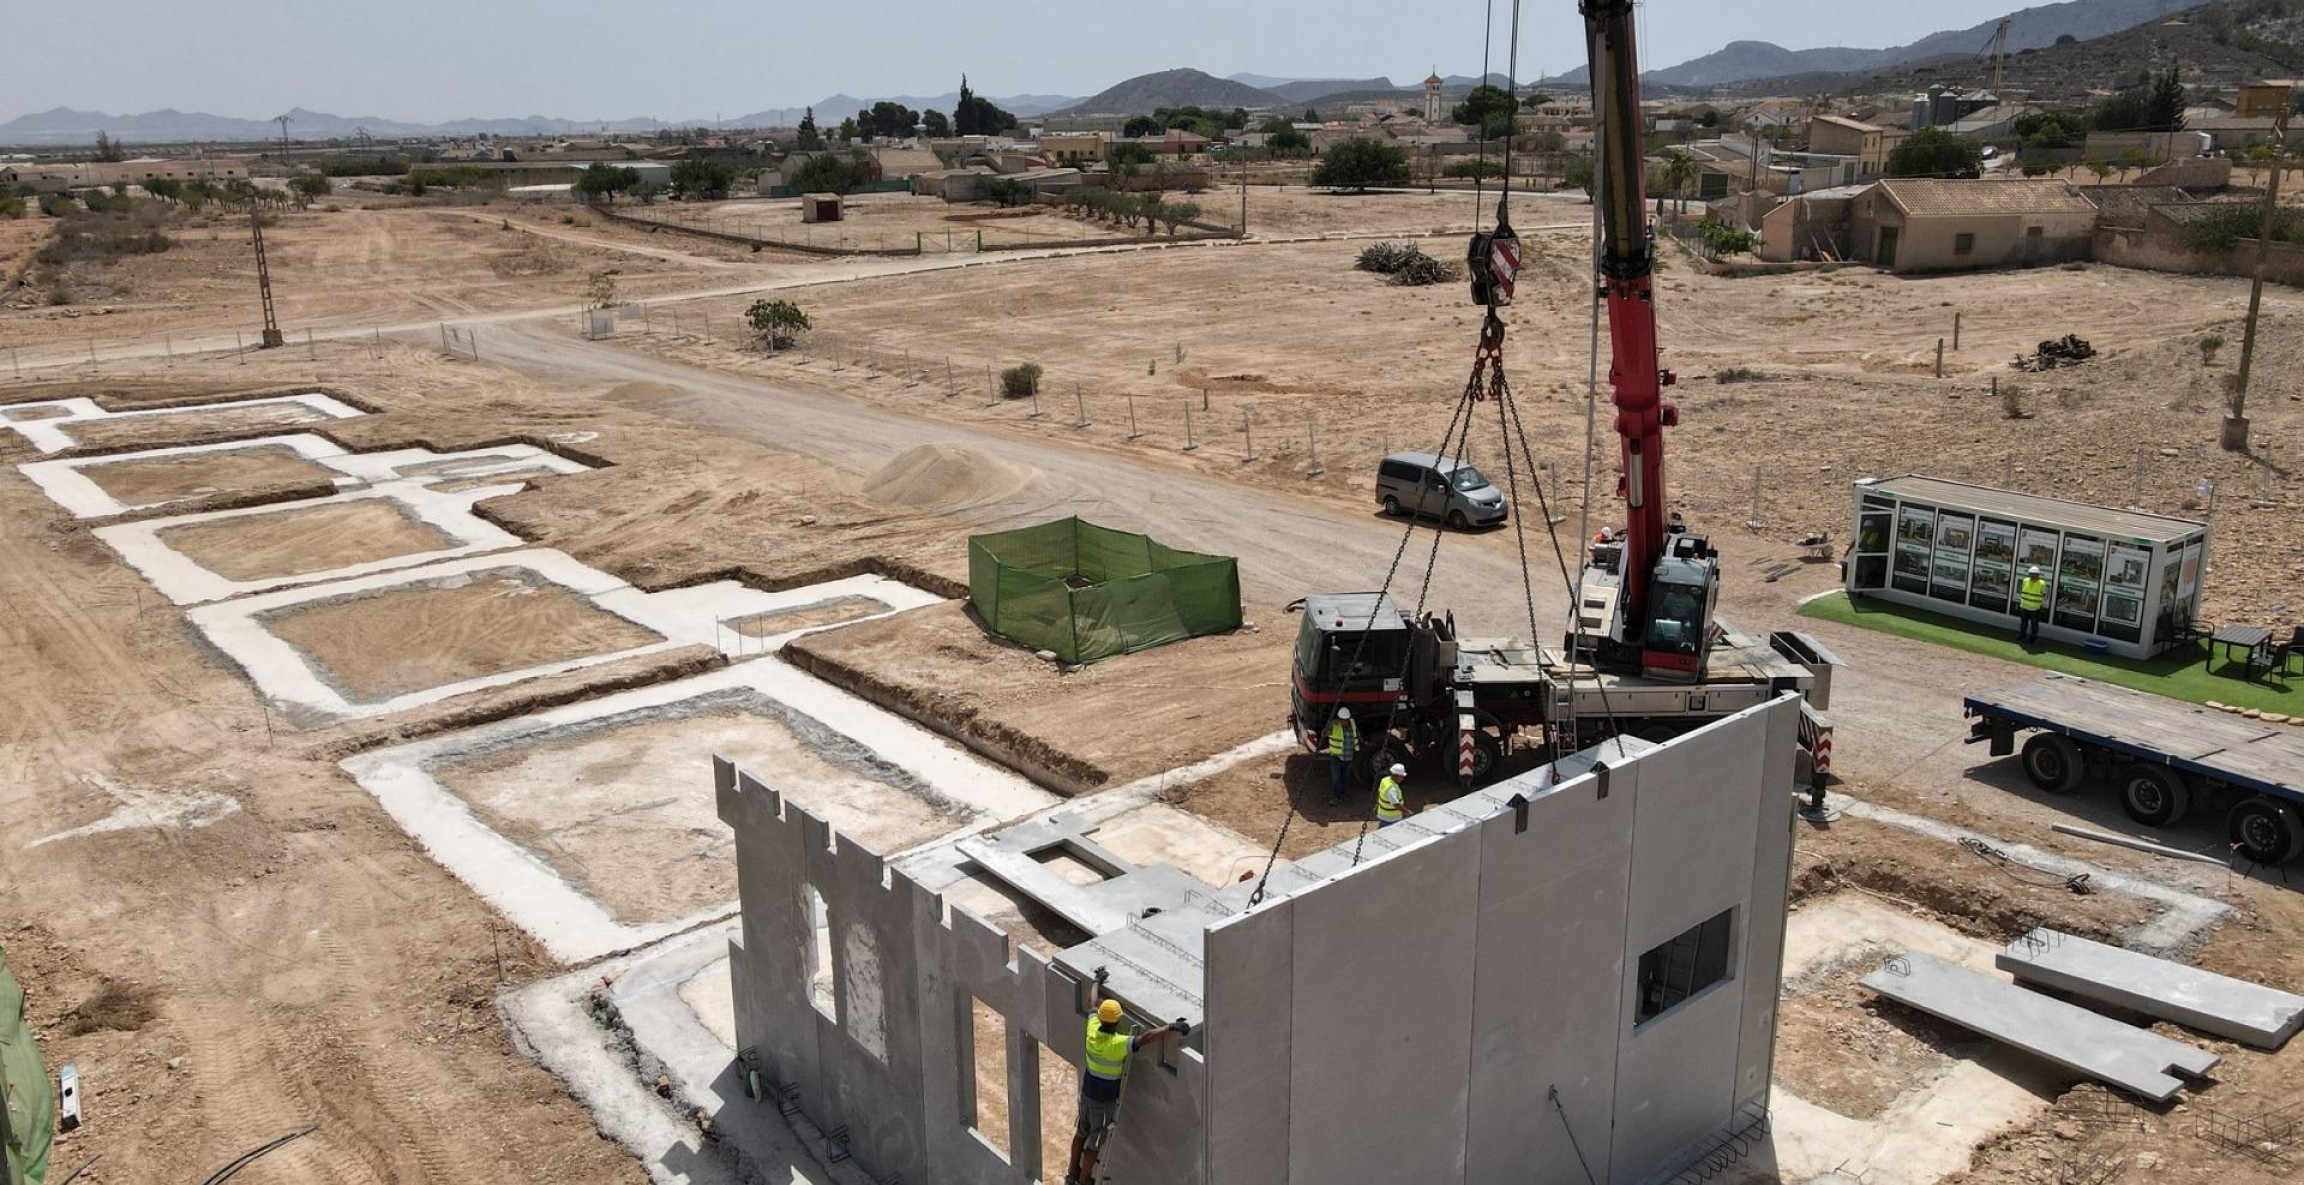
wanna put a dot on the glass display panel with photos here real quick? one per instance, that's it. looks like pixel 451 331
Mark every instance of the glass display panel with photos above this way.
pixel 1915 529
pixel 2079 583
pixel 1955 535
pixel 1991 579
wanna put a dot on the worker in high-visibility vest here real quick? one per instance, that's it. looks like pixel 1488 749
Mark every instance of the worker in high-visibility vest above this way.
pixel 1342 745
pixel 1391 804
pixel 2031 605
pixel 1104 1066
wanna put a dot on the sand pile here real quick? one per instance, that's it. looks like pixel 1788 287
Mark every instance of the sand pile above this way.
pixel 943 476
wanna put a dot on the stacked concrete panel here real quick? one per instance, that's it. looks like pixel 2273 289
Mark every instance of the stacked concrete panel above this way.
pixel 2217 1004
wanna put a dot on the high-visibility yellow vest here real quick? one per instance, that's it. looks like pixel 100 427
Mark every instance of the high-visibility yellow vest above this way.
pixel 1343 737
pixel 2031 593
pixel 1388 800
pixel 1107 1051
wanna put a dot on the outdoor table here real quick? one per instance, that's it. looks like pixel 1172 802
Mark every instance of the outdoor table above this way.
pixel 2251 642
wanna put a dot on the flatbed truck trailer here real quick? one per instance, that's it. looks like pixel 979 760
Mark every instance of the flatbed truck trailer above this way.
pixel 2164 757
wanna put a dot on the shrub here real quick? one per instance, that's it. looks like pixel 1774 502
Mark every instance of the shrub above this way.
pixel 1422 269
pixel 12 207
pixel 1020 381
pixel 1357 164
pixel 2221 228
pixel 1386 258
pixel 1740 374
pixel 1473 168
pixel 2209 344
pixel 1721 239
pixel 57 205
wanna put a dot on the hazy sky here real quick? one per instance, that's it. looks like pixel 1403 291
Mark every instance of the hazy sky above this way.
pixel 431 60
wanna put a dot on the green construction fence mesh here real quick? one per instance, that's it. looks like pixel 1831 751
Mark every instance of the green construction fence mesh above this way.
pixel 1089 592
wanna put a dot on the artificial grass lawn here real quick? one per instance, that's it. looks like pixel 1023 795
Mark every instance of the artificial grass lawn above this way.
pixel 2181 673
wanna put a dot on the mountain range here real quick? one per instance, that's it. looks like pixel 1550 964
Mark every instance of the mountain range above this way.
pixel 1738 65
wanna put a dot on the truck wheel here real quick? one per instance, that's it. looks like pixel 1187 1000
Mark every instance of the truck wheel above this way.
pixel 1380 760
pixel 2053 763
pixel 1391 506
pixel 2264 831
pixel 1487 754
pixel 2155 795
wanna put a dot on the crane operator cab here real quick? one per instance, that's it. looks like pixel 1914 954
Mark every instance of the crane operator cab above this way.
pixel 1684 588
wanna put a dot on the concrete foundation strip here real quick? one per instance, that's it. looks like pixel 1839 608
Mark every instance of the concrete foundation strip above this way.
pixel 2135 1060
pixel 2216 1004
pixel 2185 918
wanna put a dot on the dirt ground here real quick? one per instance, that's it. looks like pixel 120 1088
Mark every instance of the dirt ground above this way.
pixel 403 638
pixel 191 427
pixel 1110 722
pixel 304 963
pixel 296 542
pixel 226 471
pixel 360 264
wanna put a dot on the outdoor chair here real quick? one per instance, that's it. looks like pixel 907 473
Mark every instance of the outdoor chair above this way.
pixel 2290 653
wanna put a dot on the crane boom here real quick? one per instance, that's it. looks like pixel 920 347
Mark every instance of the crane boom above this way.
pixel 1656 575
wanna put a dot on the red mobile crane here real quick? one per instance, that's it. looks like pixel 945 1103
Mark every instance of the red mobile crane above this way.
pixel 1643 655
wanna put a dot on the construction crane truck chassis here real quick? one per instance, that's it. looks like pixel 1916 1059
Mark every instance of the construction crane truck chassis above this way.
pixel 1642 654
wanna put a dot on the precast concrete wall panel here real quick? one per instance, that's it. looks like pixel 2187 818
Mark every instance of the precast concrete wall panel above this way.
pixel 1695 804
pixel 1383 961
pixel 774 1016
pixel 1552 904
pixel 1251 996
pixel 1763 971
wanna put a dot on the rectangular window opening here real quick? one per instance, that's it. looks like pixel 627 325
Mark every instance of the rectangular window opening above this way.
pixel 1963 244
pixel 1059 1088
pixel 816 954
pixel 1693 960
pixel 987 1071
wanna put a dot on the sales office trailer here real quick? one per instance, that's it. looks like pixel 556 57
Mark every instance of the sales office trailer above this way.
pixel 2129 578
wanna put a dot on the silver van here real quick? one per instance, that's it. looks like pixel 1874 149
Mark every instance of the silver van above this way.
pixel 1442 487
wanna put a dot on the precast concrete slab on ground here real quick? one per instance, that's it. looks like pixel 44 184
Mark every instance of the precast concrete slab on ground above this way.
pixel 2217 1004
pixel 909 781
pixel 49 424
pixel 2138 1061
pixel 1931 1130
pixel 244 629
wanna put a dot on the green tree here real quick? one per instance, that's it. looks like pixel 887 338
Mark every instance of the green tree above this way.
pixel 1149 207
pixel 600 182
pixel 109 149
pixel 1141 125
pixel 893 120
pixel 2164 103
pixel 1577 169
pixel 1720 239
pixel 847 132
pixel 1006 191
pixel 1128 154
pixel 776 324
pixel 698 177
pixel 308 188
pixel 1489 108
pixel 936 124
pixel 1311 115
pixel 1288 142
pixel 1359 163
pixel 976 115
pixel 810 139
pixel 1679 169
pixel 1176 214
pixel 832 172
pixel 164 188
pixel 1934 152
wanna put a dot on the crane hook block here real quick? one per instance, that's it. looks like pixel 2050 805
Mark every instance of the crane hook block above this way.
pixel 1493 261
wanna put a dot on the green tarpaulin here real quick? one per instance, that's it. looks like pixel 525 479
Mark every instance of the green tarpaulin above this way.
pixel 1089 592
pixel 29 1121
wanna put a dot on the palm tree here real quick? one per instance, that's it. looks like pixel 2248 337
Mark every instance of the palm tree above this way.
pixel 1679 170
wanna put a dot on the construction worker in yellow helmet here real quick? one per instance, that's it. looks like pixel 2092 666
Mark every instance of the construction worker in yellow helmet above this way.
pixel 2031 605
pixel 1391 803
pixel 1103 1067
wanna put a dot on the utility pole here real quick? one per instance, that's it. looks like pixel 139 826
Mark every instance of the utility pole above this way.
pixel 283 121
pixel 272 336
pixel 2235 435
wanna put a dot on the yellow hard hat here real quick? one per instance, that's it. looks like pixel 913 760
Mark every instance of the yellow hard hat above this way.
pixel 1109 1012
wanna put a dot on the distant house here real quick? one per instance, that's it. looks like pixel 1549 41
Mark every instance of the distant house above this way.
pixel 1072 148
pixel 2264 100
pixel 56 177
pixel 905 163
pixel 1910 224
pixel 1810 226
